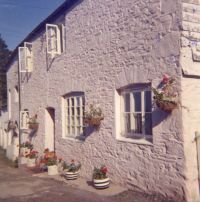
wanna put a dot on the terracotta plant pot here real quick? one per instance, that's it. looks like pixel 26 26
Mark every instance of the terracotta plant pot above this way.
pixel 33 126
pixel 52 170
pixel 166 105
pixel 101 183
pixel 71 175
pixel 31 162
pixel 95 121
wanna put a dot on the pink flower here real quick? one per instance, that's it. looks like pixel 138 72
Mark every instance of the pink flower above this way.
pixel 165 79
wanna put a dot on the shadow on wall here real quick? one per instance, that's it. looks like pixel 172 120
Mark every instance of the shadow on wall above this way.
pixel 159 116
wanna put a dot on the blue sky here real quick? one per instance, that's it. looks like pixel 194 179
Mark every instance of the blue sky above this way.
pixel 19 17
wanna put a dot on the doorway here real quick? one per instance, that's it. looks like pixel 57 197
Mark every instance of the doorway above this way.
pixel 50 128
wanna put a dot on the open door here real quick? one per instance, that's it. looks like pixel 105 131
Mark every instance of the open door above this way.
pixel 50 128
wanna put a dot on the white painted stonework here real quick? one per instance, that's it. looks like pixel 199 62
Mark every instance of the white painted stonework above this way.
pixel 109 45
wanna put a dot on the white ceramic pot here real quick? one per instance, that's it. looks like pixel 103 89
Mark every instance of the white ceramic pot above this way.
pixel 101 183
pixel 52 170
pixel 71 175
pixel 31 162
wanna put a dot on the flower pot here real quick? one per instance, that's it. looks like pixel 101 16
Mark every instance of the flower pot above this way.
pixel 101 183
pixel 166 105
pixel 52 170
pixel 33 126
pixel 95 121
pixel 31 162
pixel 71 175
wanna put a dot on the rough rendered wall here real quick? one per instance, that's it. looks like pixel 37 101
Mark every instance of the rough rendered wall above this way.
pixel 12 82
pixel 190 62
pixel 111 44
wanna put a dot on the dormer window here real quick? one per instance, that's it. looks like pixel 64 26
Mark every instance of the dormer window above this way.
pixel 55 37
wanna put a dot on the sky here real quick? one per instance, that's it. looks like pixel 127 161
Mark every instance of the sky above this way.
pixel 19 17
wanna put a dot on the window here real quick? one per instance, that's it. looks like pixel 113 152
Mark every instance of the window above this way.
pixel 74 107
pixel 24 118
pixel 55 37
pixel 136 112
pixel 25 55
pixel 16 95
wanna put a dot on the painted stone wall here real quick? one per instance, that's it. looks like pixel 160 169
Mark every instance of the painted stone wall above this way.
pixel 190 52
pixel 109 45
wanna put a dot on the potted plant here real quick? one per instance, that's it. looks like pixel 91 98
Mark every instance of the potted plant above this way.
pixel 25 148
pixel 32 156
pixel 166 98
pixel 100 179
pixel 93 116
pixel 52 166
pixel 32 123
pixel 71 171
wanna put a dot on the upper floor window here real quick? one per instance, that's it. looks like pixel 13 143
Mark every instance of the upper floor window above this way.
pixel 74 107
pixel 25 55
pixel 136 112
pixel 55 37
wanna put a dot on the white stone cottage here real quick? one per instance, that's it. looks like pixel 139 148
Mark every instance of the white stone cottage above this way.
pixel 109 53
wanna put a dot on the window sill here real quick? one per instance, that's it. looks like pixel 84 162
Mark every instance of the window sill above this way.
pixel 75 139
pixel 141 141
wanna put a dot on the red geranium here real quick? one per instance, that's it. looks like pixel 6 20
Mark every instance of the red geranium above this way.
pixel 165 79
pixel 104 170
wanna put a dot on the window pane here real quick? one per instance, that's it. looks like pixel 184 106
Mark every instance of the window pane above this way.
pixel 133 123
pixel 148 102
pixel 78 120
pixel 138 123
pixel 78 111
pixel 72 110
pixel 78 101
pixel 127 102
pixel 148 124
pixel 72 101
pixel 137 101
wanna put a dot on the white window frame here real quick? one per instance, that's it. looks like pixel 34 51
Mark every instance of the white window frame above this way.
pixel 28 48
pixel 60 39
pixel 22 66
pixel 71 127
pixel 27 52
pixel 120 112
pixel 24 118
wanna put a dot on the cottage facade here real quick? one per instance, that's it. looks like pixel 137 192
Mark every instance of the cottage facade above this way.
pixel 110 54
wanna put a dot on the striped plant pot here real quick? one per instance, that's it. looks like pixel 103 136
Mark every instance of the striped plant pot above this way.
pixel 31 163
pixel 101 183
pixel 71 175
pixel 52 170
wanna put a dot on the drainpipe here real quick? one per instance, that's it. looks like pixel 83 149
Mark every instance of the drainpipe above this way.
pixel 197 138
pixel 19 90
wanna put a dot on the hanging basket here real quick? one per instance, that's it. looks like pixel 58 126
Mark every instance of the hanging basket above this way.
pixel 34 126
pixel 94 121
pixel 166 105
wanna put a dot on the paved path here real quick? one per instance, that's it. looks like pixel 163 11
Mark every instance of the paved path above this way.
pixel 16 186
